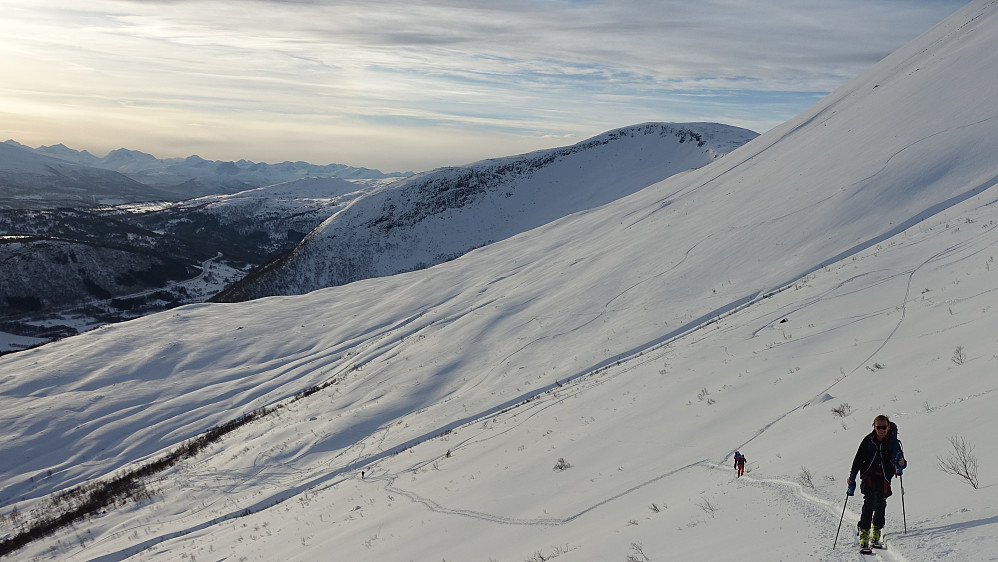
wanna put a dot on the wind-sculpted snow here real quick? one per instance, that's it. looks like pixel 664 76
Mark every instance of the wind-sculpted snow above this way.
pixel 440 215
pixel 558 392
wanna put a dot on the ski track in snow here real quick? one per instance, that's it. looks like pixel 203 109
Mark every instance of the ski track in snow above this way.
pixel 812 507
pixel 438 508
pixel 822 513
pixel 525 407
pixel 905 299
pixel 382 340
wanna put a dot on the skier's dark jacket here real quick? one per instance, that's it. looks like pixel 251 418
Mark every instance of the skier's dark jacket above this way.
pixel 873 461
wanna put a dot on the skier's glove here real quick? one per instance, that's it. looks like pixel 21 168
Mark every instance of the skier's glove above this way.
pixel 852 486
pixel 899 464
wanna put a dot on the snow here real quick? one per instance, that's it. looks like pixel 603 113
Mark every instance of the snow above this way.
pixel 437 216
pixel 9 342
pixel 15 158
pixel 837 262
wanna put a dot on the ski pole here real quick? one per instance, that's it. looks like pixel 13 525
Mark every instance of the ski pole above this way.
pixel 903 517
pixel 840 521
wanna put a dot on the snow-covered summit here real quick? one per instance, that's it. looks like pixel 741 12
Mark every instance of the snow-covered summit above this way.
pixel 31 179
pixel 440 215
pixel 15 157
pixel 63 152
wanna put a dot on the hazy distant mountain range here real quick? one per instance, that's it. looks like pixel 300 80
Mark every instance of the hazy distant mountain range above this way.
pixel 57 176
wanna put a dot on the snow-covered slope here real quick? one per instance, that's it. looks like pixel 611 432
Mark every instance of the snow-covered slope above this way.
pixel 440 215
pixel 843 260
pixel 302 194
pixel 272 211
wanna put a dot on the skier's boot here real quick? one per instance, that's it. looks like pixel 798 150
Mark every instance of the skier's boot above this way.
pixel 864 538
pixel 875 538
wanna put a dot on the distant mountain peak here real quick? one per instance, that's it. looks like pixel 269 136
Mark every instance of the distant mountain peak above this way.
pixel 171 179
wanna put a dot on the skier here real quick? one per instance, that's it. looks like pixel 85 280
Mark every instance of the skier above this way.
pixel 740 463
pixel 877 460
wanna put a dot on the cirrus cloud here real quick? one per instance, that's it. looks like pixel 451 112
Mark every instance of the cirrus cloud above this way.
pixel 418 84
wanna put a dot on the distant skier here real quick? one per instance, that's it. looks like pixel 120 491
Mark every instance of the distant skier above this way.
pixel 878 459
pixel 740 463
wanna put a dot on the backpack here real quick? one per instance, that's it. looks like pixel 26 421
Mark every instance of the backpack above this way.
pixel 894 449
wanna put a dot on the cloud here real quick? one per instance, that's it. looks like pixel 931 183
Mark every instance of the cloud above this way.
pixel 524 70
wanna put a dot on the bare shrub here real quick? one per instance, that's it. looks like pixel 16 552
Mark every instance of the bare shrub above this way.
pixel 707 507
pixel 638 554
pixel 959 356
pixel 842 410
pixel 961 461
pixel 562 464
pixel 806 477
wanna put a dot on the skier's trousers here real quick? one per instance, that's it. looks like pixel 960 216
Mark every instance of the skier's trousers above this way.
pixel 876 489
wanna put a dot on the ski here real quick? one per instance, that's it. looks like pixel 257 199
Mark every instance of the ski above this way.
pixel 865 550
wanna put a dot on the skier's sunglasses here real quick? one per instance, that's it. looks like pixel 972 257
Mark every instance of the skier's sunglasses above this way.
pixel 880 427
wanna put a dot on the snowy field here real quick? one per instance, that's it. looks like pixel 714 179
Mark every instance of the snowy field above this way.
pixel 576 392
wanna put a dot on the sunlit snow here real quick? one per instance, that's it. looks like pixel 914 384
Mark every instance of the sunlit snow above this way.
pixel 576 392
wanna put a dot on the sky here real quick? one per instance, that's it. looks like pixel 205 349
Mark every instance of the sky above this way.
pixel 420 84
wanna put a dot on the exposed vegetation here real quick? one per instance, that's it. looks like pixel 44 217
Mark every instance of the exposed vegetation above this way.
pixel 842 410
pixel 961 461
pixel 92 498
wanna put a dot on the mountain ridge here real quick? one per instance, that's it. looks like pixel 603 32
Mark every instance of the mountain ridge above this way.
pixel 31 180
pixel 131 176
pixel 442 214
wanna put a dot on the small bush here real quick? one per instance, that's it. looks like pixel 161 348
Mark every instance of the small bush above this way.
pixel 562 464
pixel 961 461
pixel 806 477
pixel 707 507
pixel 959 356
pixel 638 553
pixel 842 410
